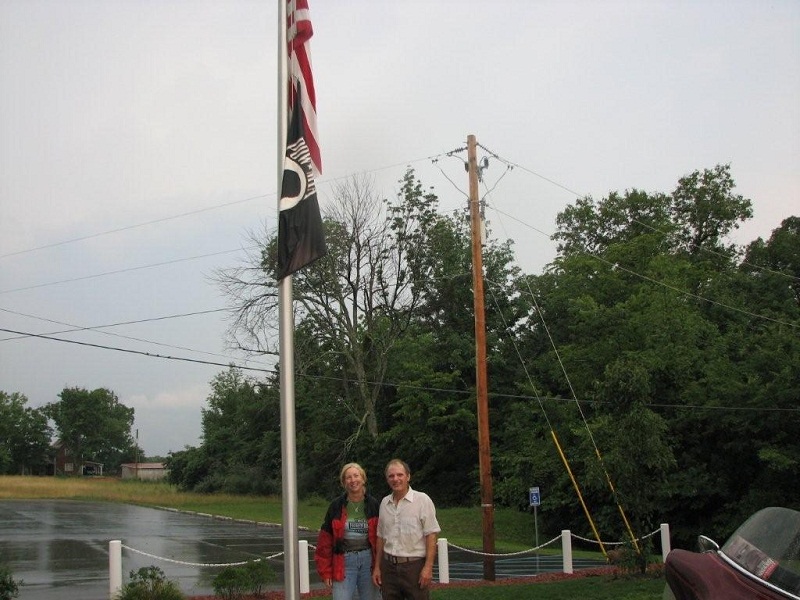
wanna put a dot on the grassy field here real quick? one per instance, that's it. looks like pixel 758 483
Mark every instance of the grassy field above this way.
pixel 461 526
pixel 514 529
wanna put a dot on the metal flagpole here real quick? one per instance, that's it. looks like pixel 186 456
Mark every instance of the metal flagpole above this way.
pixel 291 567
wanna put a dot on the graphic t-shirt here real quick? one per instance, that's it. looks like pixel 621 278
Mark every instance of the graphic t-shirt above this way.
pixel 356 528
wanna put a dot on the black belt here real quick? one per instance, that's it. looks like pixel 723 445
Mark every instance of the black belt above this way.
pixel 401 559
pixel 356 550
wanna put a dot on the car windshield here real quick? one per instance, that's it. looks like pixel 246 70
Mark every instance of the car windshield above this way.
pixel 767 546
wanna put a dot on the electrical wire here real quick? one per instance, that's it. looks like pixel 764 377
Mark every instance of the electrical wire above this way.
pixel 126 270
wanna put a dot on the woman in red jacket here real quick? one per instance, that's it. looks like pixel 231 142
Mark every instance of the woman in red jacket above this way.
pixel 347 539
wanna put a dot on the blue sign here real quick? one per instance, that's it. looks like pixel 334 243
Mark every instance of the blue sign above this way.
pixel 536 497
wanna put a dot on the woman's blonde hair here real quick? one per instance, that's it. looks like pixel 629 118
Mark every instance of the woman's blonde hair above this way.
pixel 352 466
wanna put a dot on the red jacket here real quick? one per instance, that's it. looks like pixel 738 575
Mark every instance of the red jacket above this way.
pixel 329 554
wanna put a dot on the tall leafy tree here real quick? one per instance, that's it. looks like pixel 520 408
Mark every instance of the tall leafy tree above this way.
pixel 766 345
pixel 705 210
pixel 775 265
pixel 359 299
pixel 634 304
pixel 386 313
pixel 240 446
pixel 24 435
pixel 95 425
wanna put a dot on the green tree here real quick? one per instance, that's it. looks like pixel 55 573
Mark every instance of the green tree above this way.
pixel 635 305
pixel 95 425
pixel 387 311
pixel 765 345
pixel 775 265
pixel 188 468
pixel 241 437
pixel 431 409
pixel 591 226
pixel 240 447
pixel 632 440
pixel 705 209
pixel 358 300
pixel 24 436
pixel 435 403
pixel 646 321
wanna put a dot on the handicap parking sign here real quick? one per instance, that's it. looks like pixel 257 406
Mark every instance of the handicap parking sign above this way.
pixel 535 496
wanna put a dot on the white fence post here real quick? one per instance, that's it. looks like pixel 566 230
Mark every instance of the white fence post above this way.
pixel 114 568
pixel 665 543
pixel 305 581
pixel 566 549
pixel 444 561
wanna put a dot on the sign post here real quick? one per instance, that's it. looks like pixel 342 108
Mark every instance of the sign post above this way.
pixel 535 501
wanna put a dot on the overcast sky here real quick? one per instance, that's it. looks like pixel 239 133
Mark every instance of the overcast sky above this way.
pixel 138 148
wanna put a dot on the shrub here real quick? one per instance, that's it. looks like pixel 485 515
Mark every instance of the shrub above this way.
pixel 629 559
pixel 259 573
pixel 233 582
pixel 149 583
pixel 9 588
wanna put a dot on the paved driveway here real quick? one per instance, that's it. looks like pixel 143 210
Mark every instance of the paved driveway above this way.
pixel 59 548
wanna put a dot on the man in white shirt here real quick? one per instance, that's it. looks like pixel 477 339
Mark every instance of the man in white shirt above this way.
pixel 407 534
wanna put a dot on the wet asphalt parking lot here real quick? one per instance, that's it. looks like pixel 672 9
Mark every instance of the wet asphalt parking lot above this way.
pixel 59 548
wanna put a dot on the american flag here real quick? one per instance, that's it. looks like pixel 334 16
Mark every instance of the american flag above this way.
pixel 298 34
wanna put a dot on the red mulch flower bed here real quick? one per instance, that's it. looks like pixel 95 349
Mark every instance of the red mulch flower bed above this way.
pixel 543 578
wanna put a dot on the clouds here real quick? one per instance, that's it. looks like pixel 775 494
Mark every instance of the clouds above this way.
pixel 113 105
pixel 169 415
pixel 154 124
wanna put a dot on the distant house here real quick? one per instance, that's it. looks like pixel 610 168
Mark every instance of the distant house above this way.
pixel 145 471
pixel 66 463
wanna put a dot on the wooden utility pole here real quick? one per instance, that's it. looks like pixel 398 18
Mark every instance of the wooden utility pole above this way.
pixel 481 386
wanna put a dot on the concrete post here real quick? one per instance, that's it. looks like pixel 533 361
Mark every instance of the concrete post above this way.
pixel 566 549
pixel 305 578
pixel 665 543
pixel 114 568
pixel 444 561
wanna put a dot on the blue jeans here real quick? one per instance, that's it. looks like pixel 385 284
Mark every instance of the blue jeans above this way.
pixel 357 576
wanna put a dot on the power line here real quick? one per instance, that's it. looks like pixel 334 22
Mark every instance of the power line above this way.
pixel 118 324
pixel 97 328
pixel 434 159
pixel 201 210
pixel 391 384
pixel 646 225
pixel 135 226
pixel 614 265
pixel 137 352
pixel 126 270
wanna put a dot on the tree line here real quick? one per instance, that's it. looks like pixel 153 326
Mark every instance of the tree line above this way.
pixel 662 357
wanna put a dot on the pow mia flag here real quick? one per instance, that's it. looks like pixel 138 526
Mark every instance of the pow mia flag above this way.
pixel 301 238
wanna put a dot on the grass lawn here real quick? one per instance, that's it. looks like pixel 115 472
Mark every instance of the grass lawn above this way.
pixel 588 588
pixel 514 531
